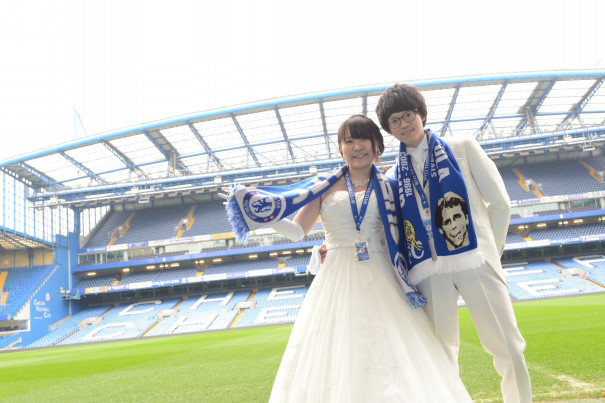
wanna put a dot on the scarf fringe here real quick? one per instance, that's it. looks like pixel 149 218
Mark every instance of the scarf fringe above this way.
pixel 236 217
pixel 416 299
pixel 472 259
pixel 414 296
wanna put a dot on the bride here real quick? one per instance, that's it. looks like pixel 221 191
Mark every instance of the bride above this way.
pixel 356 338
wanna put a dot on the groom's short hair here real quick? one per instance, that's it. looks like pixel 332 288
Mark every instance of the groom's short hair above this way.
pixel 399 98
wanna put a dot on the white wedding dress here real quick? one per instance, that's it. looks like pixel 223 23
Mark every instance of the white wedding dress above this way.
pixel 356 338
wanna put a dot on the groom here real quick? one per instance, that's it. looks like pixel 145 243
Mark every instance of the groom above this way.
pixel 441 268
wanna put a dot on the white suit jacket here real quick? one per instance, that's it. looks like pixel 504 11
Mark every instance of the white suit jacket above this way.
pixel 488 199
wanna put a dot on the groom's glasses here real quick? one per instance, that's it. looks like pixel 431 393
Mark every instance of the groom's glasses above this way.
pixel 407 116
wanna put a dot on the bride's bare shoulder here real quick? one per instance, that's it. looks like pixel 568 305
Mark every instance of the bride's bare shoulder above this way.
pixel 338 186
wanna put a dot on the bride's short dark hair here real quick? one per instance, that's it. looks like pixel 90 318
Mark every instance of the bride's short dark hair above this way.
pixel 361 127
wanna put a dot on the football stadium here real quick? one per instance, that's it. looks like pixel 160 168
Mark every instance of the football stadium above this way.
pixel 122 280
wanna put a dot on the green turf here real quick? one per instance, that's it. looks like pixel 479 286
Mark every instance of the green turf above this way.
pixel 565 356
pixel 565 350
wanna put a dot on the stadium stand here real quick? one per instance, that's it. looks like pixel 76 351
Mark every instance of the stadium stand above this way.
pixel 552 179
pixel 176 273
pixel 567 232
pixel 543 279
pixel 162 223
pixel 598 163
pixel 158 275
pixel 530 280
pixel 157 223
pixel 514 188
pixel 125 321
pixel 199 313
pixel 7 341
pixel 203 226
pixel 512 237
pixel 257 264
pixel 277 305
pixel 69 326
pixel 102 235
pixel 176 315
pixel 556 178
pixel 591 268
pixel 19 286
pixel 101 281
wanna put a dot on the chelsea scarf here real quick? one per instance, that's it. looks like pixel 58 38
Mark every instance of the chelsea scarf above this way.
pixel 251 208
pixel 450 224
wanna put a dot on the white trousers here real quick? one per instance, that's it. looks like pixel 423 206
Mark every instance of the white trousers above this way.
pixel 488 302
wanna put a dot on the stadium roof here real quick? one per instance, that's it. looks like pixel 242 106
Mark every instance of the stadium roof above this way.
pixel 283 137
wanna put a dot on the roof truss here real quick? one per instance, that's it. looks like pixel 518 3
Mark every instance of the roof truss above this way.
pixel 279 134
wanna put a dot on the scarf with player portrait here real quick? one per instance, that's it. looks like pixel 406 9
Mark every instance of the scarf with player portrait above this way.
pixel 449 224
pixel 250 208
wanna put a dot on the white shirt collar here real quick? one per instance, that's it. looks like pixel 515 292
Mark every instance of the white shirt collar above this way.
pixel 419 152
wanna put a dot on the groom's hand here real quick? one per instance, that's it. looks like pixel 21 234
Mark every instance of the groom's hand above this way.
pixel 322 252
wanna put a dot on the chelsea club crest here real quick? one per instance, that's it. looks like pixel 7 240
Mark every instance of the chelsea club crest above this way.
pixel 262 207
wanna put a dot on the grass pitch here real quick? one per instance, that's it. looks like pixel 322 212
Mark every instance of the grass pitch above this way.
pixel 565 357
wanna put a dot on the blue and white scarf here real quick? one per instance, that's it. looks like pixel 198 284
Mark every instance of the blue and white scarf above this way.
pixel 251 208
pixel 446 188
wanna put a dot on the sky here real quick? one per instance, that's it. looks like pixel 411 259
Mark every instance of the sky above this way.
pixel 72 68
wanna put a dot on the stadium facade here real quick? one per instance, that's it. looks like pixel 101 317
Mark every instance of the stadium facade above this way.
pixel 128 224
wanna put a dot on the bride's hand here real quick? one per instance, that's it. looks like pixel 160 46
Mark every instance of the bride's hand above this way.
pixel 226 195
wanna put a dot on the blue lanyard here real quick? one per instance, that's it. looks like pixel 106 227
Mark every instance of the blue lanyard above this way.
pixel 358 216
pixel 425 178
